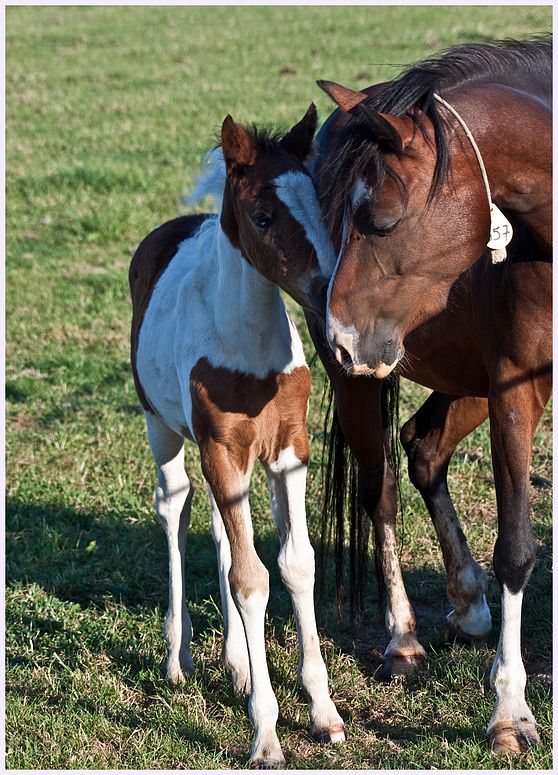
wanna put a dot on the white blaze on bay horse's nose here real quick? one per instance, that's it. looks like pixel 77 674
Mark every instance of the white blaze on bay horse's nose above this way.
pixel 297 192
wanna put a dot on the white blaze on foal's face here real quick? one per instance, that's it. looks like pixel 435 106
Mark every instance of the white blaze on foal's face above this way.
pixel 296 190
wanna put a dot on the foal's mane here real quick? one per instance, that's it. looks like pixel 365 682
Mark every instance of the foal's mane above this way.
pixel 414 91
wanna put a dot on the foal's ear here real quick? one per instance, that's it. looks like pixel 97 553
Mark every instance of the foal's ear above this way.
pixel 395 132
pixel 299 140
pixel 238 150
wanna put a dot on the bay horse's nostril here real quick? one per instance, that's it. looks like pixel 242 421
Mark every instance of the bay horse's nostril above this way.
pixel 344 358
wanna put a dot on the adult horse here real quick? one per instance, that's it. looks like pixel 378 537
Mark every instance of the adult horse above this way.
pixel 451 352
pixel 407 184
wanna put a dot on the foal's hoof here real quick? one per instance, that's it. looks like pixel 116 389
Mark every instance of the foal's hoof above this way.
pixel 454 635
pixel 333 735
pixel 400 665
pixel 267 764
pixel 180 675
pixel 504 738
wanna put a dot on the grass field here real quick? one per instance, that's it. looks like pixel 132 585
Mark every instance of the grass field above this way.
pixel 109 111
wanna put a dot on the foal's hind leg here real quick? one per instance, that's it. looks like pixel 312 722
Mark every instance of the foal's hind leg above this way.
pixel 173 502
pixel 430 438
pixel 235 649
pixel 287 483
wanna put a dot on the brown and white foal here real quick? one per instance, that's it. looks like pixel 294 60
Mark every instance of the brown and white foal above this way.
pixel 217 360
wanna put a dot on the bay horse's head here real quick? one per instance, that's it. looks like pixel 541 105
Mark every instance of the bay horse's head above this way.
pixel 270 209
pixel 409 225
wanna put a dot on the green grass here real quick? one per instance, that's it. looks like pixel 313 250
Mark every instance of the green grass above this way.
pixel 109 111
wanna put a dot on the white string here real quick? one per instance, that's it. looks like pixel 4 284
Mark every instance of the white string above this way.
pixel 471 140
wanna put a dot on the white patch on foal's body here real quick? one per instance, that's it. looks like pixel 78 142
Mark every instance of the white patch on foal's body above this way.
pixel 296 190
pixel 209 302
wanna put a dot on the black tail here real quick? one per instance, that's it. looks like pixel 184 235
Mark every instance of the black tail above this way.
pixel 341 495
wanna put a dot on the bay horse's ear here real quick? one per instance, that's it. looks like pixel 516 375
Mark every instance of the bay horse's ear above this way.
pixel 347 99
pixel 236 142
pixel 299 139
pixel 396 133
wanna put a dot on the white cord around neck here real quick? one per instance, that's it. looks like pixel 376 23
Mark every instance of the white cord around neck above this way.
pixel 471 140
pixel 501 230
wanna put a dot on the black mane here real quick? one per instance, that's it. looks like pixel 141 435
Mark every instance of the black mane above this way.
pixel 355 148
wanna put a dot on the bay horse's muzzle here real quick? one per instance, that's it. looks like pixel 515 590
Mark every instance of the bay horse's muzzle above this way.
pixel 375 353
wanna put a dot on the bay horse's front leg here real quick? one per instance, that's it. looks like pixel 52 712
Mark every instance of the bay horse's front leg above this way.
pixel 429 439
pixel 358 406
pixel 516 403
pixel 287 483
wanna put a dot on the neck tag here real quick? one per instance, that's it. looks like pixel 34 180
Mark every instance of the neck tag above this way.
pixel 501 230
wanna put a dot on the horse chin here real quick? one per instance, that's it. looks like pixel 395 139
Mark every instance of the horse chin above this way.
pixel 381 371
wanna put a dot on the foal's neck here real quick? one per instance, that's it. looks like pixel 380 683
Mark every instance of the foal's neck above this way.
pixel 249 314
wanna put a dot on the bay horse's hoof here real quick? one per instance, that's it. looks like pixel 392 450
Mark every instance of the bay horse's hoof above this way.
pixel 453 635
pixel 333 735
pixel 400 665
pixel 504 738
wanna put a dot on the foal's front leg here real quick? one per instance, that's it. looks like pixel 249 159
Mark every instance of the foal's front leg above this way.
pixel 249 586
pixel 287 483
pixel 235 649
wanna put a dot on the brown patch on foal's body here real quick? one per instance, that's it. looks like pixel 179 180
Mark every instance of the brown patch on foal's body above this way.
pixel 150 260
pixel 253 418
pixel 236 419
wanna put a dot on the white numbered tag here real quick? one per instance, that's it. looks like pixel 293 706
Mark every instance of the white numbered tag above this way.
pixel 501 230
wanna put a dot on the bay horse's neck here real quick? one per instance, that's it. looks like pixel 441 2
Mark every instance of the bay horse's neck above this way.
pixel 517 153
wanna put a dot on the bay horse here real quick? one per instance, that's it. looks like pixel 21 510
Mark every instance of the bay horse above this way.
pixel 217 360
pixel 488 307
pixel 415 291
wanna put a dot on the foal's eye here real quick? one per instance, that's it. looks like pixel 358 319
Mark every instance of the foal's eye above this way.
pixel 261 220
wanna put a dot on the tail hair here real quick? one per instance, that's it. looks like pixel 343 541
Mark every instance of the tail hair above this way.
pixel 210 182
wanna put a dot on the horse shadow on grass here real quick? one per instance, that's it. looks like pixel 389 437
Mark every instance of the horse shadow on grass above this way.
pixel 99 564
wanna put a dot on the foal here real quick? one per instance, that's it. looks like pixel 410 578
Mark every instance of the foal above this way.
pixel 217 360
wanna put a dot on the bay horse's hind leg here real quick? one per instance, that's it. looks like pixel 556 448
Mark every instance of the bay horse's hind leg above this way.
pixel 173 502
pixel 429 439
pixel 287 482
pixel 235 650
pixel 515 410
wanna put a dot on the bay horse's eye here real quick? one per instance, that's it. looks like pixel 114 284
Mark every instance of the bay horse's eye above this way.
pixel 261 220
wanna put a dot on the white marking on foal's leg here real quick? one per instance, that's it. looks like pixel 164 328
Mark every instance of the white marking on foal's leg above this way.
pixel 512 726
pixel 173 503
pixel 262 706
pixel 235 649
pixel 287 483
pixel 296 190
pixel 249 584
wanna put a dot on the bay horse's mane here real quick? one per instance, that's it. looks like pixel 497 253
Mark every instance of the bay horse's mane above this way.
pixel 414 91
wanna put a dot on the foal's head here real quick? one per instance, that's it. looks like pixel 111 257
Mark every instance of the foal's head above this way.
pixel 270 208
